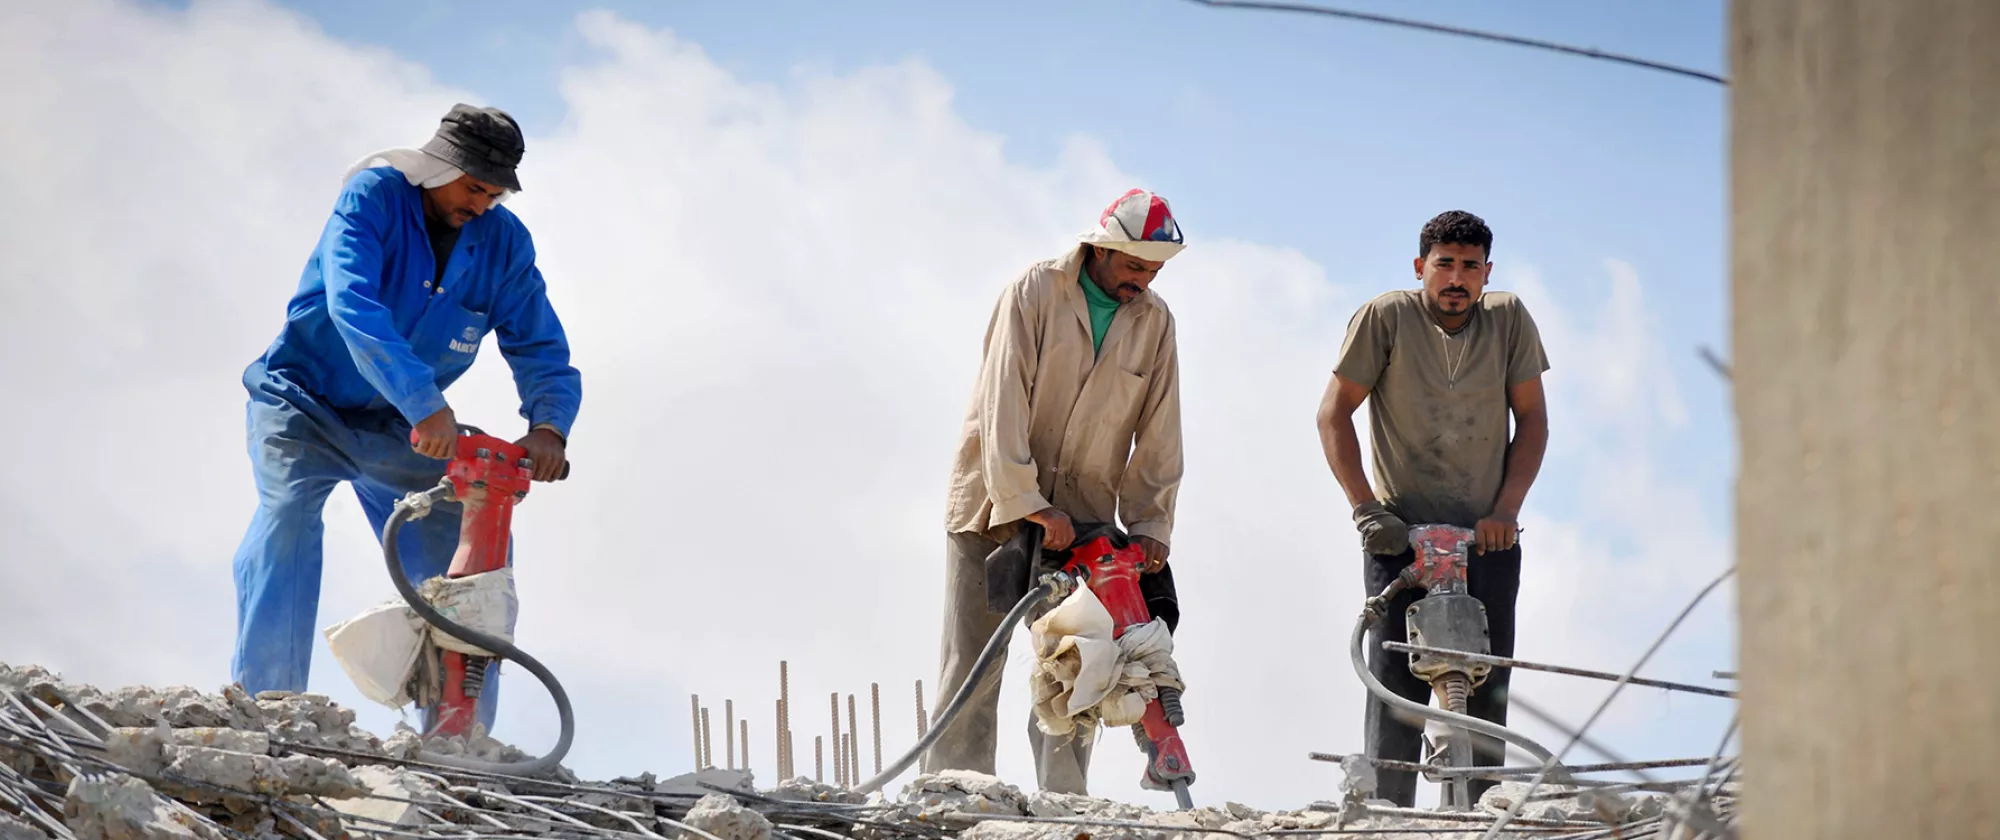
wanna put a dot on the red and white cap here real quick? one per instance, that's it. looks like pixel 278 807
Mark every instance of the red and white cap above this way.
pixel 1138 223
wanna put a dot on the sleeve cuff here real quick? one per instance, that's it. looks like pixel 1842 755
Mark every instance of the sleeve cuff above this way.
pixel 543 415
pixel 1154 530
pixel 418 407
pixel 551 427
pixel 1016 507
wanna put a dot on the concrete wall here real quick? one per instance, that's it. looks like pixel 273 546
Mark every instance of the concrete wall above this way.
pixel 1866 256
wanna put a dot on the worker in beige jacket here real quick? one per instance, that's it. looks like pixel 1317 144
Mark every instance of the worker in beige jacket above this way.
pixel 1076 417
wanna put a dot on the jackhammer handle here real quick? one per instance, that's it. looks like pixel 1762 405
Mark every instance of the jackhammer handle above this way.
pixel 468 428
pixel 1027 539
pixel 565 470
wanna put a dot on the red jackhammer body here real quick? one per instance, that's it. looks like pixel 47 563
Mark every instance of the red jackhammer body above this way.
pixel 488 476
pixel 1111 569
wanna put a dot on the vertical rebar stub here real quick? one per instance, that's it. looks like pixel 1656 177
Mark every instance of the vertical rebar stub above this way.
pixel 707 743
pixel 819 766
pixel 745 724
pixel 875 715
pixel 922 723
pixel 694 717
pixel 853 744
pixel 839 763
pixel 728 734
pixel 785 716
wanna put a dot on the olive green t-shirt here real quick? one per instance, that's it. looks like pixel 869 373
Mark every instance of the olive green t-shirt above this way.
pixel 1437 405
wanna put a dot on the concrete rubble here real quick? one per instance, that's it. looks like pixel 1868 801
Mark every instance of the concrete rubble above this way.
pixel 79 763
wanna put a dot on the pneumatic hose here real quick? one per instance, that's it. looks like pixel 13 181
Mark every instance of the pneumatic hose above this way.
pixel 405 510
pixel 994 645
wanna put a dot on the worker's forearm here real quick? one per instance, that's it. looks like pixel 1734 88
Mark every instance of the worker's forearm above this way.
pixel 1343 453
pixel 1524 461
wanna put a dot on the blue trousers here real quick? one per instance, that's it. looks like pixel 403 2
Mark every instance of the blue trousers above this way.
pixel 300 450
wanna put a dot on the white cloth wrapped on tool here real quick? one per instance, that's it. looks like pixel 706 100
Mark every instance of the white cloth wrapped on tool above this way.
pixel 485 602
pixel 379 649
pixel 1084 677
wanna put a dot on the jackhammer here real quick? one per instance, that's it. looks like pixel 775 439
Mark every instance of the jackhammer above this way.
pixel 1447 618
pixel 1104 559
pixel 488 476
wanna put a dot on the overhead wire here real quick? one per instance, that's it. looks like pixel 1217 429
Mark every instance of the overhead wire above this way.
pixel 1466 32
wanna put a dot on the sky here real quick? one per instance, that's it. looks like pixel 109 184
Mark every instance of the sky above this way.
pixel 775 232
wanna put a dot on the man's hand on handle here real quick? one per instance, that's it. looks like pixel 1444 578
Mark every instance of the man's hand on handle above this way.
pixel 546 448
pixel 1057 531
pixel 1156 553
pixel 1382 532
pixel 1497 532
pixel 437 435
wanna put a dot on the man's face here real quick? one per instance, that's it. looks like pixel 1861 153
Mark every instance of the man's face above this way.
pixel 459 201
pixel 1454 276
pixel 1122 276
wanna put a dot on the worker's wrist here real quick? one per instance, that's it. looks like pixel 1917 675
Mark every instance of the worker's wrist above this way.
pixel 1042 517
pixel 551 429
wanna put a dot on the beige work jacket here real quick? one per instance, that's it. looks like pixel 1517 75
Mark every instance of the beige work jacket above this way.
pixel 1048 424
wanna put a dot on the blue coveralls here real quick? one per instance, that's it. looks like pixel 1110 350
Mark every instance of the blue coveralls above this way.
pixel 367 350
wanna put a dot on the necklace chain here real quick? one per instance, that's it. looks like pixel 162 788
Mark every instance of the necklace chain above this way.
pixel 1451 366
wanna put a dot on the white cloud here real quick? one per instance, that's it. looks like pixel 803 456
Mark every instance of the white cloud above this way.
pixel 776 293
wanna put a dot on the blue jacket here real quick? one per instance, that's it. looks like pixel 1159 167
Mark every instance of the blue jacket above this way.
pixel 365 330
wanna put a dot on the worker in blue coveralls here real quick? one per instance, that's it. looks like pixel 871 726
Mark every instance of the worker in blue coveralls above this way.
pixel 417 264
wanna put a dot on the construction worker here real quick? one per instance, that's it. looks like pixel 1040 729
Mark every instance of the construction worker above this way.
pixel 1442 367
pixel 416 265
pixel 1075 417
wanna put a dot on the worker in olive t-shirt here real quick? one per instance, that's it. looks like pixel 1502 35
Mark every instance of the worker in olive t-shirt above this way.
pixel 1442 368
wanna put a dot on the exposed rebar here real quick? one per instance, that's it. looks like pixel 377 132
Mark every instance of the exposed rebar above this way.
pixel 1513 811
pixel 707 742
pixel 853 744
pixel 694 719
pixel 1508 662
pixel 875 714
pixel 839 763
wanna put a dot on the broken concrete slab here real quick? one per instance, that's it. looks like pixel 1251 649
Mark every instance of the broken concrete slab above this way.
pixel 15 828
pixel 939 795
pixel 998 830
pixel 146 750
pixel 206 769
pixel 250 755
pixel 721 815
pixel 120 807
pixel 370 812
pixel 691 784
pixel 802 789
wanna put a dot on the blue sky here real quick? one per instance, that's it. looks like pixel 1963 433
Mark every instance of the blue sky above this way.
pixel 1336 138
pixel 745 209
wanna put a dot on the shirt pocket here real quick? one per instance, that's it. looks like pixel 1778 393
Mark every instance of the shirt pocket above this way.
pixel 451 340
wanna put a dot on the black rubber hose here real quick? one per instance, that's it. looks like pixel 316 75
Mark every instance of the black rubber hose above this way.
pixel 1452 719
pixel 986 657
pixel 500 647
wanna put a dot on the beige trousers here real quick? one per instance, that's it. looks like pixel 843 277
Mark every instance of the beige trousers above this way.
pixel 1061 762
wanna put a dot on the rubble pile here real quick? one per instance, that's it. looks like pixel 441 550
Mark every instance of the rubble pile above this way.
pixel 77 763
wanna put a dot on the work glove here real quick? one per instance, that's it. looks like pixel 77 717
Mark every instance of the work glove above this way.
pixel 1381 531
